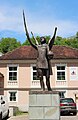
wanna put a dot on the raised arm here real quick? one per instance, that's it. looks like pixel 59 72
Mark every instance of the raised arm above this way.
pixel 27 34
pixel 51 41
pixel 35 39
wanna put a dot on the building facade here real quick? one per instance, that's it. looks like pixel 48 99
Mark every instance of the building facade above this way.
pixel 18 70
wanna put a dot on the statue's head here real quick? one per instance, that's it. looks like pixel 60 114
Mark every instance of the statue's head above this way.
pixel 42 40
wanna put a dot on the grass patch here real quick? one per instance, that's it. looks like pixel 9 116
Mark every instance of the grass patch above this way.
pixel 18 112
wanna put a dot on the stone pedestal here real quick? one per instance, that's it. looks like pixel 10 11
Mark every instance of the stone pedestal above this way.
pixel 44 105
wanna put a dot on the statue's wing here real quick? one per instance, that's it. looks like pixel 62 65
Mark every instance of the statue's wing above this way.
pixel 35 39
pixel 27 34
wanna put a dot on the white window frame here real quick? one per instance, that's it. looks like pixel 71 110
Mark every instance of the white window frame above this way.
pixel 61 71
pixel 33 65
pixel 12 65
pixel 16 95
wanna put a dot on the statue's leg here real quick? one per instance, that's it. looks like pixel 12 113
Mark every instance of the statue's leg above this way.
pixel 48 84
pixel 48 81
pixel 42 83
pixel 40 73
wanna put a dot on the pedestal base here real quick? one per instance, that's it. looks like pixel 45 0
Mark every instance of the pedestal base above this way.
pixel 44 105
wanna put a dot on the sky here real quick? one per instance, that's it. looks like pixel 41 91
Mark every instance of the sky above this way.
pixel 42 16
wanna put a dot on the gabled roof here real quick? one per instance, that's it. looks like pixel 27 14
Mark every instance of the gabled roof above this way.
pixel 28 52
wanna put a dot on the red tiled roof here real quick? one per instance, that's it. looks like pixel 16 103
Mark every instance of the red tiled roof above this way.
pixel 65 52
pixel 28 52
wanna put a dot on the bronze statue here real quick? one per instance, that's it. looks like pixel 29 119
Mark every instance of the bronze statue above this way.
pixel 45 54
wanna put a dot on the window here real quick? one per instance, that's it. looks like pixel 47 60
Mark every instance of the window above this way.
pixel 62 94
pixel 34 73
pixel 12 96
pixel 12 73
pixel 61 72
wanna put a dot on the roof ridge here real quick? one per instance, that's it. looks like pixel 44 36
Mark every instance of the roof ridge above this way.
pixel 67 47
pixel 28 52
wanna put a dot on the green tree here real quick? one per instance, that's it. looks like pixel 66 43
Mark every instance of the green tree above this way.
pixel 77 35
pixel 38 39
pixel 27 42
pixel 74 43
pixel 8 44
pixel 58 41
pixel 71 42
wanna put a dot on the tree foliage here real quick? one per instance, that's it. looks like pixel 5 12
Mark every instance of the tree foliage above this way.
pixel 8 44
pixel 72 42
pixel 38 39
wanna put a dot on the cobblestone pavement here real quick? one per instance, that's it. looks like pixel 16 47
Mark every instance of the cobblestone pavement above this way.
pixel 25 117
